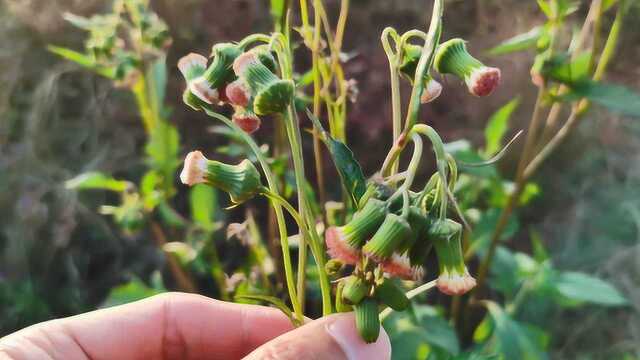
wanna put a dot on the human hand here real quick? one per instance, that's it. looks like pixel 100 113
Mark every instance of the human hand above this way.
pixel 187 326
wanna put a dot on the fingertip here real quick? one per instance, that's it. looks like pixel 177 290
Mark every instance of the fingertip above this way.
pixel 342 328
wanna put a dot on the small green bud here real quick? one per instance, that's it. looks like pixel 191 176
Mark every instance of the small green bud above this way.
pixel 344 242
pixel 355 289
pixel 271 94
pixel 452 57
pixel 241 181
pixel 390 236
pixel 367 321
pixel 392 295
pixel 333 266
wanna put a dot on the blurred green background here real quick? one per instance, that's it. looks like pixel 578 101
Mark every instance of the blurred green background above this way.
pixel 59 257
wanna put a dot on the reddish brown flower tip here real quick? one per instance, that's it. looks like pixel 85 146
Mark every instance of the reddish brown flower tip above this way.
pixel 452 283
pixel 237 93
pixel 400 266
pixel 248 122
pixel 338 248
pixel 191 63
pixel 483 81
pixel 432 91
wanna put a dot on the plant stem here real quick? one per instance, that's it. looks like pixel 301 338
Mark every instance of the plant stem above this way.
pixel 410 294
pixel 396 101
pixel 282 226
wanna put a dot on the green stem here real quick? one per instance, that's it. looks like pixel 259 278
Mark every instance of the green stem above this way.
pixel 410 294
pixel 282 226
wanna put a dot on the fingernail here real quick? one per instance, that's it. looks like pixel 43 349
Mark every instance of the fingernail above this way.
pixel 343 330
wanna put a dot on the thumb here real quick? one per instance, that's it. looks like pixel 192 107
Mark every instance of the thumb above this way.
pixel 333 337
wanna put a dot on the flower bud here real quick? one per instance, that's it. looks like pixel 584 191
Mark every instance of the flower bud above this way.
pixel 192 101
pixel 220 71
pixel 344 242
pixel 452 57
pixel 192 67
pixel 392 233
pixel 410 59
pixel 355 289
pixel 432 90
pixel 392 295
pixel 265 56
pixel 454 278
pixel 241 181
pixel 367 321
pixel 246 120
pixel 333 266
pixel 420 246
pixel 271 94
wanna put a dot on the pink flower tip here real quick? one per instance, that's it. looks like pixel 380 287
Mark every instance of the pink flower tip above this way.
pixel 237 93
pixel 189 61
pixel 195 167
pixel 452 283
pixel 248 122
pixel 242 61
pixel 338 248
pixel 483 81
pixel 432 91
pixel 400 266
pixel 200 88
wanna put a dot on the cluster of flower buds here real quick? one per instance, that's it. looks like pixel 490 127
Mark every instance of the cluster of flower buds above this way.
pixel 385 240
pixel 451 57
pixel 246 80
pixel 241 181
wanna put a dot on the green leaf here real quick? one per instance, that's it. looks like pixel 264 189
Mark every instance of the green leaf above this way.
pixel 614 97
pixel 203 200
pixel 439 332
pixel 566 71
pixel 348 167
pixel 83 60
pixel 519 42
pixel 585 288
pixel 97 180
pixel 546 8
pixel 277 9
pixel 539 251
pixel 271 300
pixel 497 127
pixel 162 149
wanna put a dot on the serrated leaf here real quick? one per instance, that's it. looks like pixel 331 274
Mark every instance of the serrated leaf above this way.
pixel 203 201
pixel 519 42
pixel 585 288
pixel 97 180
pixel 271 300
pixel 348 167
pixel 497 127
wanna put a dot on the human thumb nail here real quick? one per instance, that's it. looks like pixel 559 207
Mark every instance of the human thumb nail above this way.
pixel 333 337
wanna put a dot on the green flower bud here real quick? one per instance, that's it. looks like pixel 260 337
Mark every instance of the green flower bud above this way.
pixel 392 295
pixel 420 246
pixel 220 71
pixel 454 278
pixel 192 101
pixel 393 232
pixel 367 321
pixel 452 57
pixel 193 66
pixel 265 56
pixel 408 67
pixel 355 289
pixel 333 266
pixel 271 94
pixel 241 182
pixel 344 242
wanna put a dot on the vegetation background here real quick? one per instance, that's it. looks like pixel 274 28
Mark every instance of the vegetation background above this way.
pixel 58 257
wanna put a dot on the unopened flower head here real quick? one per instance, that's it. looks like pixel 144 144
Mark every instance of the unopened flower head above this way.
pixel 344 242
pixel 389 237
pixel 452 57
pixel 193 67
pixel 241 181
pixel 237 93
pixel 270 93
pixel 454 278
